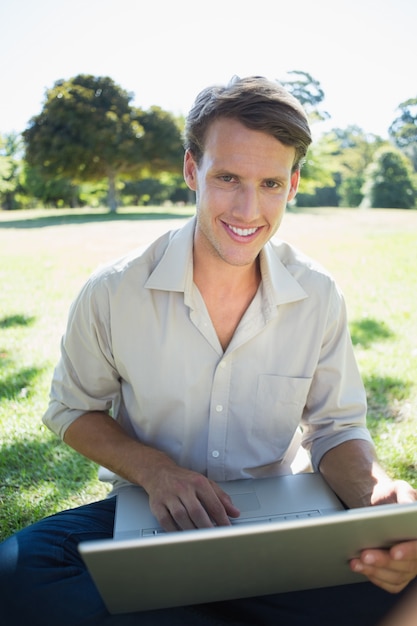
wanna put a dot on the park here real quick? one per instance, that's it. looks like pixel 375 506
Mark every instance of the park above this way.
pixel 46 255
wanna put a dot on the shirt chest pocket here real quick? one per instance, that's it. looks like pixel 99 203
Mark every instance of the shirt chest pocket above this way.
pixel 280 401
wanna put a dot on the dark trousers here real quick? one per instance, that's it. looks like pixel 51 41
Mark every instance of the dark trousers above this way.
pixel 43 582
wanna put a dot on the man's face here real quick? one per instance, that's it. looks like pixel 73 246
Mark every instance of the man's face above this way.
pixel 242 184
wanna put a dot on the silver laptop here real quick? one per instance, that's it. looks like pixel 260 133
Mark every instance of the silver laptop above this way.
pixel 282 498
pixel 265 552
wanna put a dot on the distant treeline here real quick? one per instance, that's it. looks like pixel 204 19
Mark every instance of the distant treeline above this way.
pixel 90 147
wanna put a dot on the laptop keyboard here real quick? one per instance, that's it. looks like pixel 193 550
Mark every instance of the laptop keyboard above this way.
pixel 148 532
pixel 288 517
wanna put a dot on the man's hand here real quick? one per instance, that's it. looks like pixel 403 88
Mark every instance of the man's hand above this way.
pixel 353 472
pixel 392 492
pixel 179 498
pixel 390 569
pixel 182 500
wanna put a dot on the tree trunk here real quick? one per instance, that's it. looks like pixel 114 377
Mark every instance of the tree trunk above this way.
pixel 112 196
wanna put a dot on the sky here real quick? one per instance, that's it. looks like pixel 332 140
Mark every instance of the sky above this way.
pixel 363 52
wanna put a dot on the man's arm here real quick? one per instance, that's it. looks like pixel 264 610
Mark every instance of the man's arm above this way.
pixel 179 498
pixel 353 472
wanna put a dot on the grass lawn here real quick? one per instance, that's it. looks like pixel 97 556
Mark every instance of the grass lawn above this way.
pixel 45 257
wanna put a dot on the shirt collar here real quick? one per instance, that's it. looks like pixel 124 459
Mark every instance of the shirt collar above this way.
pixel 280 286
pixel 174 270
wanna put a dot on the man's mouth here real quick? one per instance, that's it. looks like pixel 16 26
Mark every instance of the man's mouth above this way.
pixel 242 232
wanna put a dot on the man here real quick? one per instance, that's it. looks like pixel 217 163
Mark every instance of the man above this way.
pixel 202 360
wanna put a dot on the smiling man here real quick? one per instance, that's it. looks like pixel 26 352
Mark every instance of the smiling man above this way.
pixel 243 183
pixel 218 353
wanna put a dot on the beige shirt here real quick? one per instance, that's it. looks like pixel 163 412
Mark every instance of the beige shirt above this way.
pixel 140 344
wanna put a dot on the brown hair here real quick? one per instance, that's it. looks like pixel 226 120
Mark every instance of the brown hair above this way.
pixel 258 104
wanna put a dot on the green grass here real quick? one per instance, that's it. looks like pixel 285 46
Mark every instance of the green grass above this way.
pixel 45 256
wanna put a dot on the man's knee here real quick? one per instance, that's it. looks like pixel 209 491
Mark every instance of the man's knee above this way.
pixel 40 566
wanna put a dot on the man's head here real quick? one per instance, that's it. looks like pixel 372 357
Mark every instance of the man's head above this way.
pixel 258 104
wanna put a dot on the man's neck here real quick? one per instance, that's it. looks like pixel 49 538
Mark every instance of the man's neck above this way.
pixel 213 273
pixel 227 292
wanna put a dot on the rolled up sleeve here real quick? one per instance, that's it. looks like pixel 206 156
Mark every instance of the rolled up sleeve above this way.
pixel 85 378
pixel 336 405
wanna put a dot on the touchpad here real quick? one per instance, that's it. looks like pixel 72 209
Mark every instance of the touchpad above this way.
pixel 246 501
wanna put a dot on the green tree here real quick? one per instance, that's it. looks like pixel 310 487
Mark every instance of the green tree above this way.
pixel 318 170
pixel 352 152
pixel 161 141
pixel 389 181
pixel 316 173
pixel 10 166
pixel 155 190
pixel 351 190
pixel 88 131
pixel 309 92
pixel 51 191
pixel 403 130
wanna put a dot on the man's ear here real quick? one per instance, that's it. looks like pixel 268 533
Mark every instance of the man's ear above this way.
pixel 190 170
pixel 295 181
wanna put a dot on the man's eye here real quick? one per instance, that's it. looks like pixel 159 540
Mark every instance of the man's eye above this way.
pixel 227 178
pixel 271 184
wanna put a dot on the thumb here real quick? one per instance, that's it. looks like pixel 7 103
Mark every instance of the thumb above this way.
pixel 405 492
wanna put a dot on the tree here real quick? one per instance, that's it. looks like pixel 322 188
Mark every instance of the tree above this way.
pixel 318 170
pixel 88 131
pixel 161 141
pixel 158 190
pixel 10 165
pixel 316 173
pixel 389 181
pixel 351 190
pixel 56 191
pixel 352 152
pixel 403 130
pixel 309 92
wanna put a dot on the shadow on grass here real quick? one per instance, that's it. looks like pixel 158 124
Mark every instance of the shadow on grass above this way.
pixel 53 468
pixel 366 331
pixel 30 461
pixel 385 402
pixel 384 394
pixel 56 219
pixel 10 321
pixel 17 384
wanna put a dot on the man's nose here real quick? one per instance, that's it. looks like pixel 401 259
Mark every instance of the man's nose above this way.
pixel 247 204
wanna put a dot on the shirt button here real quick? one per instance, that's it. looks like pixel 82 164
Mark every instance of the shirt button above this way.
pixel 215 454
pixel 222 364
pixel 219 408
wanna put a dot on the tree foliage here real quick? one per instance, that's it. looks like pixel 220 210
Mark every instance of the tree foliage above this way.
pixel 56 191
pixel 309 92
pixel 10 166
pixel 353 152
pixel 316 174
pixel 389 181
pixel 403 130
pixel 88 130
pixel 318 170
pixel 89 144
pixel 161 142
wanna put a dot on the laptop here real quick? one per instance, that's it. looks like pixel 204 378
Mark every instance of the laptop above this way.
pixel 293 534
pixel 281 498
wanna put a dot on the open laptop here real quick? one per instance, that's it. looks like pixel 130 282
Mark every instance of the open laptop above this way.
pixel 281 498
pixel 272 548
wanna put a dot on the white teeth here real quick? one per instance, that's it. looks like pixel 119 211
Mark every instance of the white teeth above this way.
pixel 243 232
